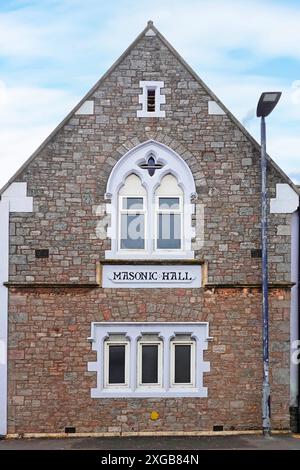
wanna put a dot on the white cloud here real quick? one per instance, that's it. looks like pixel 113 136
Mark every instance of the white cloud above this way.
pixel 295 94
pixel 25 106
pixel 201 30
pixel 285 150
pixel 16 146
pixel 18 37
pixel 27 116
pixel 205 31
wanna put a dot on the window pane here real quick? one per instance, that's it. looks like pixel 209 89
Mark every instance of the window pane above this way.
pixel 132 203
pixel 150 100
pixel 150 364
pixel 169 202
pixel 169 231
pixel 116 364
pixel 132 231
pixel 182 363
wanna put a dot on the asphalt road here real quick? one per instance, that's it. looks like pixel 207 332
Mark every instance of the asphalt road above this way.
pixel 246 442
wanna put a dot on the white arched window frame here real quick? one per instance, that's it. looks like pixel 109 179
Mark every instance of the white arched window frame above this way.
pixel 170 163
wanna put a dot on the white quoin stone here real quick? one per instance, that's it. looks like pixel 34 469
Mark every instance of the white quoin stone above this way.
pixel 13 199
pixel 214 108
pixel 86 108
pixel 16 195
pixel 286 201
pixel 294 313
pixel 150 32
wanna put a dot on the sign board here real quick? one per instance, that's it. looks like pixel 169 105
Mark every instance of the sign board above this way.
pixel 151 276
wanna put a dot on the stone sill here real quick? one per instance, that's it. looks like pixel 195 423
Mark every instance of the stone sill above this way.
pixel 152 261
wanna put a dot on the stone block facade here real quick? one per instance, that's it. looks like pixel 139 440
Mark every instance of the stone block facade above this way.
pixel 49 386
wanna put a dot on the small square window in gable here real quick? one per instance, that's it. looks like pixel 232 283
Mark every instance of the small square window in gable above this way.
pixel 151 99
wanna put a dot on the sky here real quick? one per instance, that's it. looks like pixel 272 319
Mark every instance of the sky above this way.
pixel 53 51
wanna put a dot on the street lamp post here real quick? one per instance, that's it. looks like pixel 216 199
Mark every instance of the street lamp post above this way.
pixel 266 104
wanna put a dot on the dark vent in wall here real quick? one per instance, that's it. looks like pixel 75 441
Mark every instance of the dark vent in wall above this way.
pixel 150 101
pixel 70 430
pixel 42 253
pixel 218 428
pixel 256 253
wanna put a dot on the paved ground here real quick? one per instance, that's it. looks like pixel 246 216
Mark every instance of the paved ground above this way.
pixel 276 442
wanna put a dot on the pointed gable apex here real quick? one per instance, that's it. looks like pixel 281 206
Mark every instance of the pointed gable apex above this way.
pixel 149 31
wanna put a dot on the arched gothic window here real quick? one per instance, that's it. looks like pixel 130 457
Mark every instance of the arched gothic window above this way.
pixel 150 189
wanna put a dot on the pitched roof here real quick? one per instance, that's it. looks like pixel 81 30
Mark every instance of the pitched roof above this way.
pixel 150 28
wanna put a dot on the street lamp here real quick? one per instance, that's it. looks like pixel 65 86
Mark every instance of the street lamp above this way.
pixel 266 104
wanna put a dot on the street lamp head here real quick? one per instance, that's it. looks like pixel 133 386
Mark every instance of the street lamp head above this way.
pixel 267 103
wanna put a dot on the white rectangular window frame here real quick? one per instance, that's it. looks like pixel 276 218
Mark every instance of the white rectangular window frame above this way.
pixel 140 345
pixel 133 332
pixel 159 99
pixel 180 342
pixel 133 212
pixel 107 344
pixel 156 223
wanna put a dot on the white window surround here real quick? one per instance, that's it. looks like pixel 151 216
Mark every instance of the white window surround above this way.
pixel 107 344
pixel 145 342
pixel 172 164
pixel 159 99
pixel 166 332
pixel 13 199
pixel 173 344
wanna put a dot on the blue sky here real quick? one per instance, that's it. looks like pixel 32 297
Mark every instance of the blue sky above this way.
pixel 53 51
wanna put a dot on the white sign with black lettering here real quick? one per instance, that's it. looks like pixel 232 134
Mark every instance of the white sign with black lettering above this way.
pixel 151 276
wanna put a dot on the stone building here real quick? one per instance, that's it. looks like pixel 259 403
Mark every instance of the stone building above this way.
pixel 130 264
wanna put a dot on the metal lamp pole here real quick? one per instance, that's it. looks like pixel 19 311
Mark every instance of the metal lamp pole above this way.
pixel 266 104
pixel 265 303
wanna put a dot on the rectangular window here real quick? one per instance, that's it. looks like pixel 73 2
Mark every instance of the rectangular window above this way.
pixel 182 372
pixel 182 363
pixel 132 223
pixel 167 203
pixel 149 363
pixel 151 100
pixel 116 360
pixel 133 203
pixel 116 363
pixel 169 223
